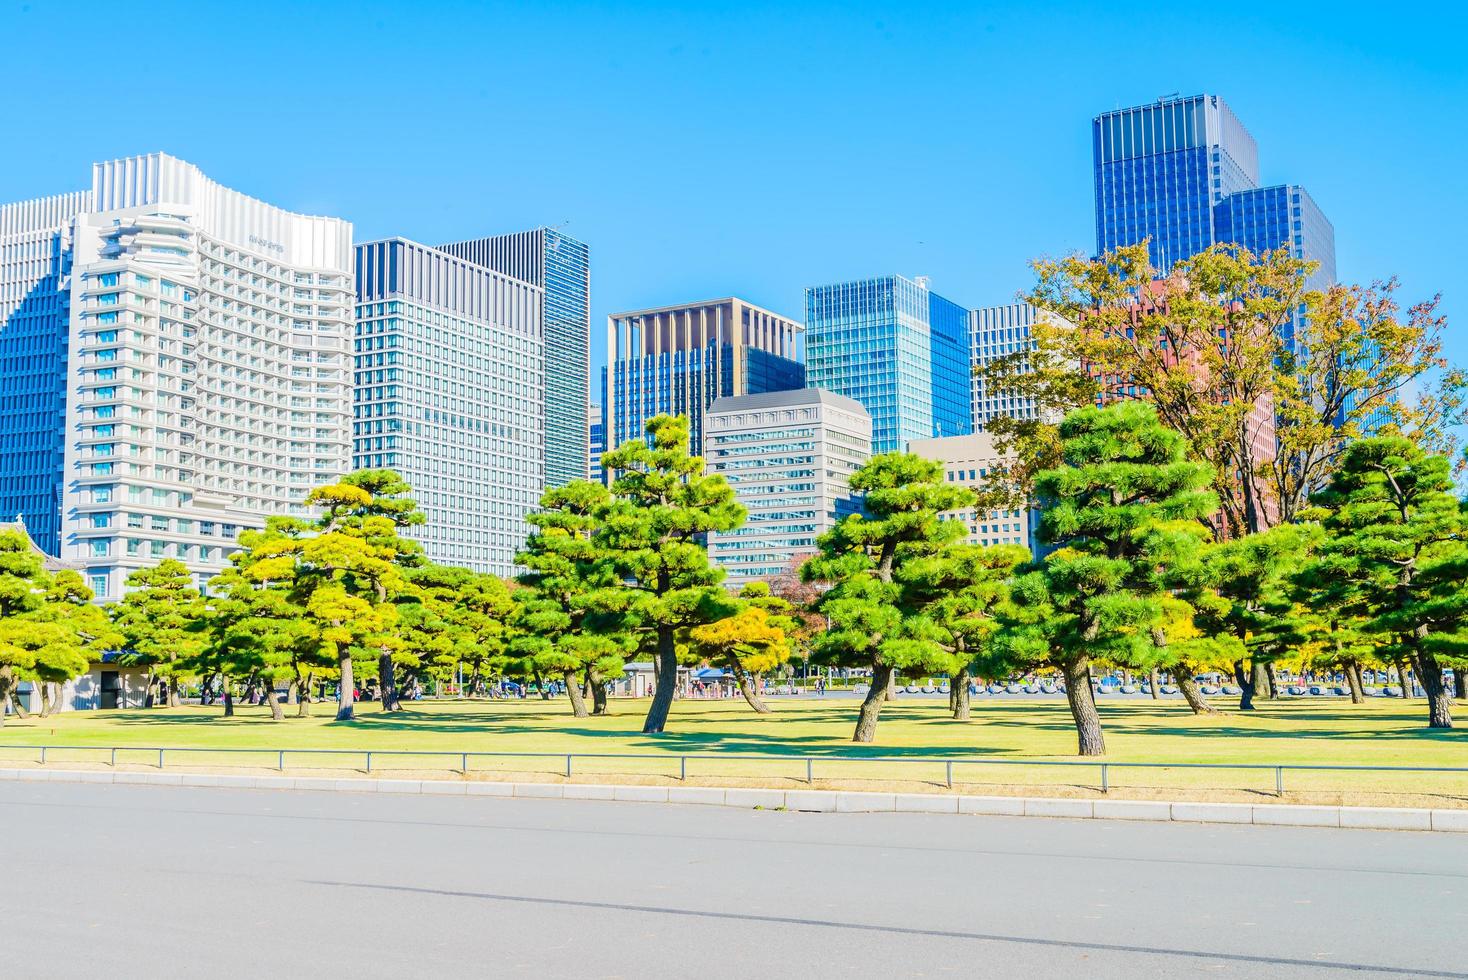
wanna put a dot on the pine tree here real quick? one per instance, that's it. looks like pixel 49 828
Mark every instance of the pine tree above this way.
pixel 959 589
pixel 749 642
pixel 653 531
pixel 1393 529
pixel 156 618
pixel 49 628
pixel 564 627
pixel 1120 510
pixel 876 613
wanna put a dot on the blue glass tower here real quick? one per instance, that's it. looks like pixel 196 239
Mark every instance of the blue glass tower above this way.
pixel 35 258
pixel 896 347
pixel 1161 168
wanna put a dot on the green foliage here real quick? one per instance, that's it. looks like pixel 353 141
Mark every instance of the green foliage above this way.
pixel 652 532
pixel 457 616
pixel 1394 549
pixel 875 607
pixel 156 618
pixel 565 627
pixel 49 629
pixel 1123 512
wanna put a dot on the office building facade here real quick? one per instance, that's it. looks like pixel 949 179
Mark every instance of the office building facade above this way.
pixel 896 347
pixel 789 456
pixel 677 360
pixel 450 382
pixel 597 443
pixel 1184 173
pixel 203 373
pixel 35 259
pixel 997 332
pixel 561 267
pixel 967 461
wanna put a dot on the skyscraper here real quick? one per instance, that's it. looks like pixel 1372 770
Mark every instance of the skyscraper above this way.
pixel 35 257
pixel 561 266
pixel 896 347
pixel 789 456
pixel 676 360
pixel 1161 168
pixel 191 343
pixel 1185 173
pixel 597 444
pixel 996 332
pixel 450 392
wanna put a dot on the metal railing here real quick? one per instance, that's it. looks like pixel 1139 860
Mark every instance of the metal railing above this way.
pixel 566 761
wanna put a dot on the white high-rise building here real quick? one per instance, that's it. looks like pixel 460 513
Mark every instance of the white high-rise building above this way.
pixel 996 332
pixel 204 376
pixel 789 456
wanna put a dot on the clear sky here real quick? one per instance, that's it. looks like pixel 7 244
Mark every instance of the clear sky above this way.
pixel 709 149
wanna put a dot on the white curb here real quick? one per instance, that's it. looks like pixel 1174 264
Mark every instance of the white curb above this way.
pixel 823 801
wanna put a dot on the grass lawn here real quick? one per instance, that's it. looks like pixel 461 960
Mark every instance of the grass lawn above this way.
pixel 1381 732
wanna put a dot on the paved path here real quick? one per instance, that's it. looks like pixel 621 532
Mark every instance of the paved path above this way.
pixel 133 881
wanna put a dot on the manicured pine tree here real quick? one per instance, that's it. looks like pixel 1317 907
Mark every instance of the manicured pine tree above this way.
pixel 156 618
pixel 458 618
pixel 877 615
pixel 49 628
pixel 387 498
pixel 1252 576
pixel 664 506
pixel 564 628
pixel 1393 533
pixel 748 643
pixel 960 588
pixel 1122 507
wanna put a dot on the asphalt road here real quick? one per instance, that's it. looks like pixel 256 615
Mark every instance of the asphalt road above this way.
pixel 123 881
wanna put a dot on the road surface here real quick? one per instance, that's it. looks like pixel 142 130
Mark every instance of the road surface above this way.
pixel 135 881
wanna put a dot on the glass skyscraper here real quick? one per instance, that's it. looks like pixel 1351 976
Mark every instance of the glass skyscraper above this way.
pixel 1184 173
pixel 1161 168
pixel 676 360
pixel 897 348
pixel 449 391
pixel 561 266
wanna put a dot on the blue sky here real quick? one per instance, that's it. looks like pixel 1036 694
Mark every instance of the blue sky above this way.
pixel 708 149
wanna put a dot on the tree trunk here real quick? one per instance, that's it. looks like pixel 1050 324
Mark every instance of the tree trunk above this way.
pixel 958 691
pixel 293 690
pixel 871 705
pixel 344 695
pixel 1403 679
pixel 53 707
pixel 1460 674
pixel 1191 693
pixel 1154 683
pixel 539 684
pixel 473 686
pixel 1271 685
pixel 598 688
pixel 1083 707
pixel 746 686
pixel 573 690
pixel 277 712
pixel 1246 679
pixel 1352 670
pixel 224 686
pixel 387 683
pixel 7 691
pixel 148 682
pixel 889 690
pixel 666 665
pixel 1439 701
